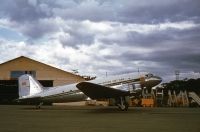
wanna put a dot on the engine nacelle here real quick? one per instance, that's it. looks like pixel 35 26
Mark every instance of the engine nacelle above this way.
pixel 124 87
pixel 132 88
pixel 137 87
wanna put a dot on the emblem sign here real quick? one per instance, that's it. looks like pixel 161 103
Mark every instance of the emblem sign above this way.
pixel 23 83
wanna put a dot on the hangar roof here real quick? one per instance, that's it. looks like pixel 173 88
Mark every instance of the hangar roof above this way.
pixel 29 59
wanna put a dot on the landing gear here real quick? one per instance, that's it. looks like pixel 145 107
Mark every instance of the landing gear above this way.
pixel 122 104
pixel 39 106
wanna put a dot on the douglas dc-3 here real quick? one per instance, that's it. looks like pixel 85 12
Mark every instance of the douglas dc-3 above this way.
pixel 113 87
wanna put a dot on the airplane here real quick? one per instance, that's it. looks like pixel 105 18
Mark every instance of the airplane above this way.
pixel 113 87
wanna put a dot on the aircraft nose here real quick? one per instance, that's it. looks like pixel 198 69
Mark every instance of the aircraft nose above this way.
pixel 153 81
pixel 157 79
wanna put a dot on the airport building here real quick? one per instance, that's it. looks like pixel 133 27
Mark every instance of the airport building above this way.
pixel 47 75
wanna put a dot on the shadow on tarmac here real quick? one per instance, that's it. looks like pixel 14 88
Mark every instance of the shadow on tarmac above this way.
pixel 88 109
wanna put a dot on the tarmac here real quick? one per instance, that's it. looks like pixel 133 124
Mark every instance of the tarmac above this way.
pixel 19 118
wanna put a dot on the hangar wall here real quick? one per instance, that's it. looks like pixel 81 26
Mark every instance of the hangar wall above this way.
pixel 46 74
pixel 42 71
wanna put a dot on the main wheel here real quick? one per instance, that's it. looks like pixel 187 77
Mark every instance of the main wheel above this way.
pixel 122 103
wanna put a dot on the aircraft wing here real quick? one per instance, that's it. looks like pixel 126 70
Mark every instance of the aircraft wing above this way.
pixel 95 91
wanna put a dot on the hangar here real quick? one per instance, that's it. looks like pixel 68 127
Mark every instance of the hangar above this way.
pixel 47 75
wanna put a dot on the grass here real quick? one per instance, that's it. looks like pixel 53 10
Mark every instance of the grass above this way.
pixel 97 119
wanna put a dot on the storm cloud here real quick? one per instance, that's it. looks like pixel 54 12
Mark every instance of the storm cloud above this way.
pixel 99 36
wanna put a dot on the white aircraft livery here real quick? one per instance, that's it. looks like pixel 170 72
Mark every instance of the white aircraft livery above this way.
pixel 115 87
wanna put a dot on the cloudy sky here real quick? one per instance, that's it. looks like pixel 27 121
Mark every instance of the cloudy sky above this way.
pixel 99 36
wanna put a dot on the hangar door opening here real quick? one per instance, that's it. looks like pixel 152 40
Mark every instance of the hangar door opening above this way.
pixel 9 90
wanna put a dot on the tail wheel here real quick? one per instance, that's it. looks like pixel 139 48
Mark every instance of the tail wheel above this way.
pixel 39 106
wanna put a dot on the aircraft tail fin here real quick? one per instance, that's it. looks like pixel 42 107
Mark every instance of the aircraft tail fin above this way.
pixel 28 86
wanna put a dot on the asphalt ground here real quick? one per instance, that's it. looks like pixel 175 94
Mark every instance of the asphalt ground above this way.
pixel 97 119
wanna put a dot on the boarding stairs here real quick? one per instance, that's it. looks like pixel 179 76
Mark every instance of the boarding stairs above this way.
pixel 182 99
pixel 159 96
pixel 172 99
pixel 147 95
pixel 195 97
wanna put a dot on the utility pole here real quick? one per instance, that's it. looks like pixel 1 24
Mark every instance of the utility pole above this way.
pixel 138 71
pixel 177 73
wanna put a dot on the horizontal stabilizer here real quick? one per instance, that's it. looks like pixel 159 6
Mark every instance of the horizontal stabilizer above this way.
pixel 30 99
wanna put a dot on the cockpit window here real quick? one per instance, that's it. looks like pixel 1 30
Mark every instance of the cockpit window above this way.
pixel 149 75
